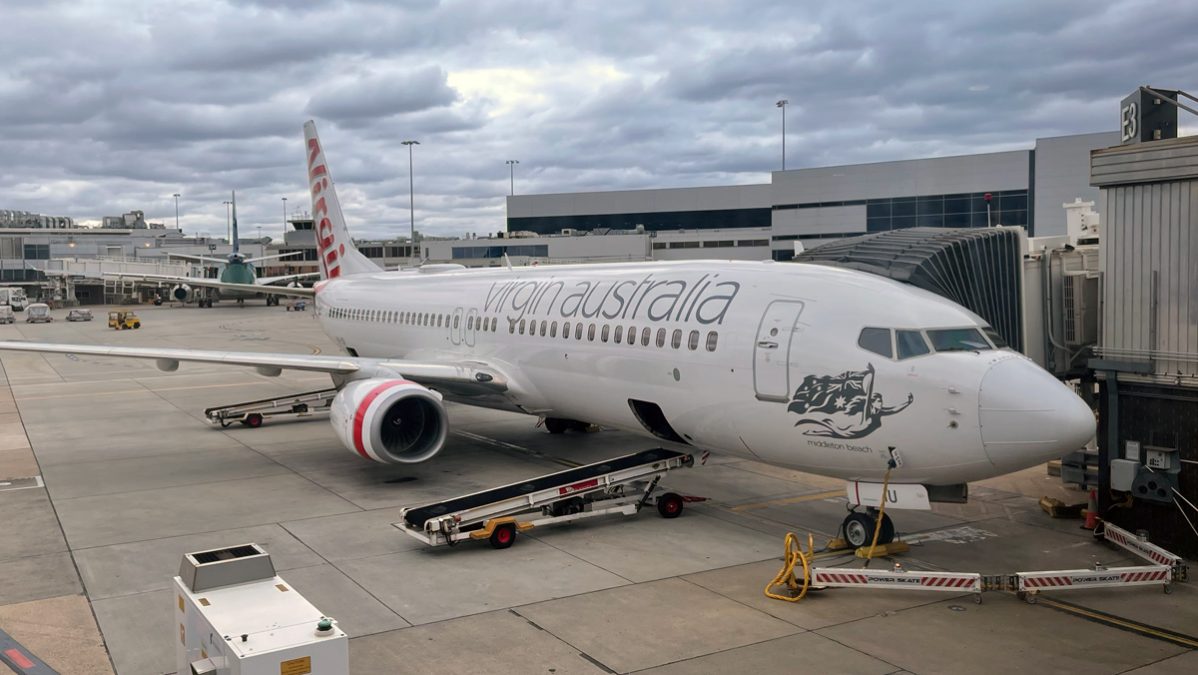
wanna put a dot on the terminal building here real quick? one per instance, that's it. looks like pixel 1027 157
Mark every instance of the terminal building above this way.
pixel 807 207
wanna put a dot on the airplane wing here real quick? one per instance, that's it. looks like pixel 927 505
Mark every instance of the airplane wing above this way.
pixel 271 257
pixel 269 281
pixel 197 258
pixel 214 283
pixel 466 378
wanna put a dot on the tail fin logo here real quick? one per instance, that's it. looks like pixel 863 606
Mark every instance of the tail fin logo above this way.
pixel 326 237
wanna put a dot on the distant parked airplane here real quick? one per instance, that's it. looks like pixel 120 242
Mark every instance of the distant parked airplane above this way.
pixel 238 273
pixel 830 371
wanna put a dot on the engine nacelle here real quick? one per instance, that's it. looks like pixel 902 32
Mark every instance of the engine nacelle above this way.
pixel 390 420
pixel 182 293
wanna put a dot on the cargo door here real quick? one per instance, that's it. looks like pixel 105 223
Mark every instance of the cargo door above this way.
pixel 776 339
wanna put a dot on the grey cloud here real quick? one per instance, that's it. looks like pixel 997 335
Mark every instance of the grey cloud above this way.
pixel 369 96
pixel 114 106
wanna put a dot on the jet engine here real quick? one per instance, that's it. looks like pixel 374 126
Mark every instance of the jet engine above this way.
pixel 390 420
pixel 182 293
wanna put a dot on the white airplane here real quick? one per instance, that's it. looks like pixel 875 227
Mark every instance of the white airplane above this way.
pixel 828 371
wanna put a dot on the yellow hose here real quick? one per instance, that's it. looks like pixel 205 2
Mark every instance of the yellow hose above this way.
pixel 793 555
pixel 881 514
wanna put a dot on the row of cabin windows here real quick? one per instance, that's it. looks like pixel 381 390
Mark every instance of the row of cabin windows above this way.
pixel 433 320
pixel 617 334
pixel 544 327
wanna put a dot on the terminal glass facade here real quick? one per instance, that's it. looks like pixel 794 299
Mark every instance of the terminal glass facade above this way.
pixel 652 222
pixel 954 210
pixel 470 252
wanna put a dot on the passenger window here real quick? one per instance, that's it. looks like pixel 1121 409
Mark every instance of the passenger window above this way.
pixel 661 337
pixel 712 338
pixel 632 335
pixel 910 343
pixel 619 336
pixel 603 333
pixel 456 318
pixel 522 326
pixel 999 342
pixel 876 340
pixel 676 341
pixel 511 326
pixel 591 333
pixel 566 329
pixel 958 340
pixel 692 342
pixel 578 331
pixel 544 325
pixel 645 333
pixel 469 323
pixel 553 329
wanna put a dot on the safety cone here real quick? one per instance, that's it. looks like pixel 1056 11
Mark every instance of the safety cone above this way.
pixel 1092 510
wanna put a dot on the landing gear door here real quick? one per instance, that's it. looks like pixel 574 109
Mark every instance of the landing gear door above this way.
pixel 776 338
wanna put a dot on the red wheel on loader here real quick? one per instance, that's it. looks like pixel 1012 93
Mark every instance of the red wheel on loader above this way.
pixel 503 536
pixel 669 505
pixel 253 420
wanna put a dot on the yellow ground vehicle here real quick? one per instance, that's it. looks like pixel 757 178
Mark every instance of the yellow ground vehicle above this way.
pixel 123 320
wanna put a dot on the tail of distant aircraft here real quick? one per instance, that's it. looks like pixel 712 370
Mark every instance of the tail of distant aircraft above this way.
pixel 338 256
pixel 236 242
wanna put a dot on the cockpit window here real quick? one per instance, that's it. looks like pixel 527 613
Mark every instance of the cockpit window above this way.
pixel 876 340
pixel 999 342
pixel 910 343
pixel 958 340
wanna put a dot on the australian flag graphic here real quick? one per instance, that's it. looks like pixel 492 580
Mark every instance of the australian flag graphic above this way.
pixel 841 406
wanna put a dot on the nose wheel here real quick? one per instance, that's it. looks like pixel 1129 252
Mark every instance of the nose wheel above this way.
pixel 858 528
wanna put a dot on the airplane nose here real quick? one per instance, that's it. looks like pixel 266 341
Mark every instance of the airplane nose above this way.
pixel 1027 416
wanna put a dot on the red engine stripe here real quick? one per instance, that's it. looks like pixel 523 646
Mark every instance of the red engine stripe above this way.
pixel 360 413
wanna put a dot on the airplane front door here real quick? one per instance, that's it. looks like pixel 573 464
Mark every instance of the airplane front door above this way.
pixel 772 351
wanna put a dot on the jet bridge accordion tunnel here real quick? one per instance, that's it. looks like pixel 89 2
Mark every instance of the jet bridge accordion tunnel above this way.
pixel 979 269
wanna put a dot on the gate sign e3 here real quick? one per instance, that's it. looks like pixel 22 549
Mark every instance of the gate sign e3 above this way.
pixel 1148 116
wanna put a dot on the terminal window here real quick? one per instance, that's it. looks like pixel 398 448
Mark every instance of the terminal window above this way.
pixel 951 210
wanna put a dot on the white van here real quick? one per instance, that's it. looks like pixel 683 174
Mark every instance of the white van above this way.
pixel 13 296
pixel 6 315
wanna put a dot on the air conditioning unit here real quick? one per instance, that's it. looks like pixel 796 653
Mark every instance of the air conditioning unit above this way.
pixel 1080 304
pixel 569 232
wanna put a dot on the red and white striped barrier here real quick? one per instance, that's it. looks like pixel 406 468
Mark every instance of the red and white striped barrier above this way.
pixel 1100 578
pixel 955 582
pixel 1145 549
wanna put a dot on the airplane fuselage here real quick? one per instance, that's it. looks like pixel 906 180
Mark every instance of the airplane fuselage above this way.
pixel 766 361
pixel 237 273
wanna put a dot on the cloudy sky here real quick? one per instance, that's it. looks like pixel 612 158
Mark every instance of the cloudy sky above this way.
pixel 112 105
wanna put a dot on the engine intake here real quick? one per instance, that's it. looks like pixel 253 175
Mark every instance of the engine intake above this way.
pixel 182 293
pixel 392 421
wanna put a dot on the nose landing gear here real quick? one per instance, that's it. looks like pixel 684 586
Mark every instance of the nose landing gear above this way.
pixel 858 528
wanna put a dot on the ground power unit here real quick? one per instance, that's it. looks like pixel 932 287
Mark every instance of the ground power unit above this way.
pixel 235 616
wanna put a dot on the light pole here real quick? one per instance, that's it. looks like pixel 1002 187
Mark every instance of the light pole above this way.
pixel 228 222
pixel 176 195
pixel 782 104
pixel 411 194
pixel 284 218
pixel 511 163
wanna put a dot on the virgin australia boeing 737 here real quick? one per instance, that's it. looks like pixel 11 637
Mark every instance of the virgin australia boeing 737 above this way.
pixel 830 371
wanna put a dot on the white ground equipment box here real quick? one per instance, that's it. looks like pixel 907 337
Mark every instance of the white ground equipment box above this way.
pixel 235 616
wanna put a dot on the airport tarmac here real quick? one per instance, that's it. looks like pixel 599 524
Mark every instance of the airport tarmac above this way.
pixel 112 475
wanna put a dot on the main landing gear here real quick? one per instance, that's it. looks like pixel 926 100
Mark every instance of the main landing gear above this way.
pixel 858 528
pixel 559 425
